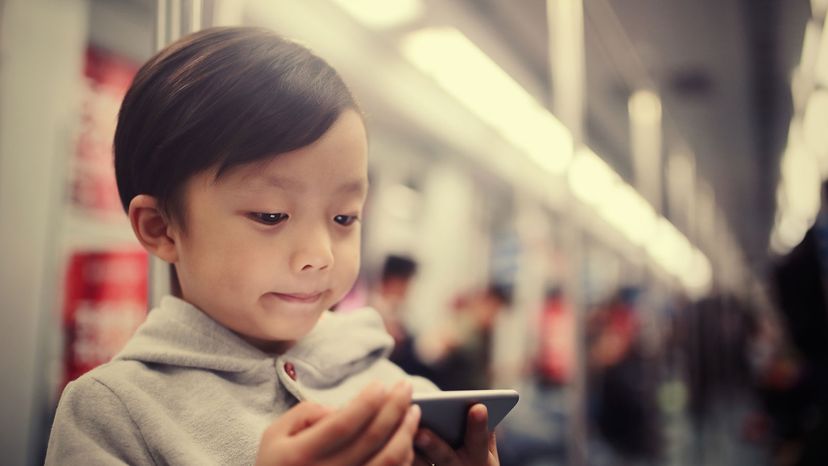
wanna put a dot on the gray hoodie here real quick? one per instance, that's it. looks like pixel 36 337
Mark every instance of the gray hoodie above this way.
pixel 186 390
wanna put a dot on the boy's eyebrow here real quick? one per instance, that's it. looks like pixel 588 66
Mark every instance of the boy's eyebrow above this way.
pixel 286 184
pixel 353 186
pixel 359 185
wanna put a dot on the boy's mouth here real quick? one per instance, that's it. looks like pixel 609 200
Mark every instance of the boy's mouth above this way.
pixel 299 297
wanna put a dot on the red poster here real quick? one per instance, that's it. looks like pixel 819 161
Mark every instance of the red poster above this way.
pixel 557 341
pixel 106 300
pixel 106 80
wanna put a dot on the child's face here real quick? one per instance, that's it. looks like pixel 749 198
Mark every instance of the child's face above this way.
pixel 269 246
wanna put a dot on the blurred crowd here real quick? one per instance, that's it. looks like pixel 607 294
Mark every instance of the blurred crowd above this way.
pixel 711 374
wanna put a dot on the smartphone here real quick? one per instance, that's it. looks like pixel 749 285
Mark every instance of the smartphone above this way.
pixel 445 413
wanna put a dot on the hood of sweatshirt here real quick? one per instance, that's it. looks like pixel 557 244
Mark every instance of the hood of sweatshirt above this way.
pixel 339 346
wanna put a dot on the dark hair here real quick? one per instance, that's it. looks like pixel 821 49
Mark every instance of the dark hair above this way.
pixel 398 267
pixel 221 97
pixel 502 292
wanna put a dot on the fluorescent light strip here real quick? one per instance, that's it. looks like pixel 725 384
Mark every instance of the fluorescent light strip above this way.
pixel 592 181
pixel 465 72
pixel 698 278
pixel 469 75
pixel 630 214
pixel 382 14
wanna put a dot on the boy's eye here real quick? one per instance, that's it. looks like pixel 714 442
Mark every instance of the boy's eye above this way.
pixel 268 218
pixel 345 220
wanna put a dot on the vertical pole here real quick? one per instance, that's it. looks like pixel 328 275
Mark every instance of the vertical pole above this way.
pixel 645 114
pixel 158 282
pixel 195 15
pixel 566 48
pixel 168 27
pixel 175 20
pixel 645 144
pixel 161 20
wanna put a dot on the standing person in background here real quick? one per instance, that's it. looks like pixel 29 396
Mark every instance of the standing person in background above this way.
pixel 241 160
pixel 801 284
pixel 390 292
pixel 389 298
pixel 621 384
pixel 464 357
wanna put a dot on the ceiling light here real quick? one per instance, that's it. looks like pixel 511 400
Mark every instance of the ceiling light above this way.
pixel 629 213
pixel 821 63
pixel 670 249
pixel 813 127
pixel 645 107
pixel 469 75
pixel 382 14
pixel 800 176
pixel 590 178
pixel 699 275
pixel 789 231
pixel 810 47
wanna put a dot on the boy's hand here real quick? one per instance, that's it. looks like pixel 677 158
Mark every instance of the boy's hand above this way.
pixel 479 445
pixel 376 428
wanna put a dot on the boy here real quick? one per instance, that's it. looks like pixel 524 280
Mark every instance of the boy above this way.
pixel 240 159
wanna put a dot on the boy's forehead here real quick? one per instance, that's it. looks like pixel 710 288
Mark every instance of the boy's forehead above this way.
pixel 270 174
pixel 339 156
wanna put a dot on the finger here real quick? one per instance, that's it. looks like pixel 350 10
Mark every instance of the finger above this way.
pixel 384 425
pixel 342 426
pixel 296 419
pixel 400 447
pixel 476 441
pixel 434 449
pixel 493 446
pixel 409 457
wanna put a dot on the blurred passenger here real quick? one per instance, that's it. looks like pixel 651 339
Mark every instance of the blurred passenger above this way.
pixel 536 431
pixel 389 297
pixel 800 280
pixel 717 336
pixel 621 383
pixel 464 360
pixel 781 385
pixel 556 355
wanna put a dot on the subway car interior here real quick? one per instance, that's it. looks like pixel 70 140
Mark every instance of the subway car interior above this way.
pixel 613 207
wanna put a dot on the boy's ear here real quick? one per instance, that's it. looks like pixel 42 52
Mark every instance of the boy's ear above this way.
pixel 152 228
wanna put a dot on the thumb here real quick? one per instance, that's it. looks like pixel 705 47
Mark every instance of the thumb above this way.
pixel 476 441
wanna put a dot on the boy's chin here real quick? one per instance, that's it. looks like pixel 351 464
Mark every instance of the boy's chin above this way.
pixel 278 340
pixel 288 324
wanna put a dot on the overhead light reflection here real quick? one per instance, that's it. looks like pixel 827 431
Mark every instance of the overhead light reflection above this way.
pixel 821 63
pixel 382 14
pixel 813 125
pixel 630 213
pixel 645 107
pixel 699 274
pixel 670 249
pixel 810 47
pixel 800 176
pixel 469 75
pixel 591 179
pixel 791 230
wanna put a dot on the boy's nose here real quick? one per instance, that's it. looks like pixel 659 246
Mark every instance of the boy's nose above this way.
pixel 313 252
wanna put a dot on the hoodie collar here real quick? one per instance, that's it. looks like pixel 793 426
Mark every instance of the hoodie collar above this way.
pixel 179 334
